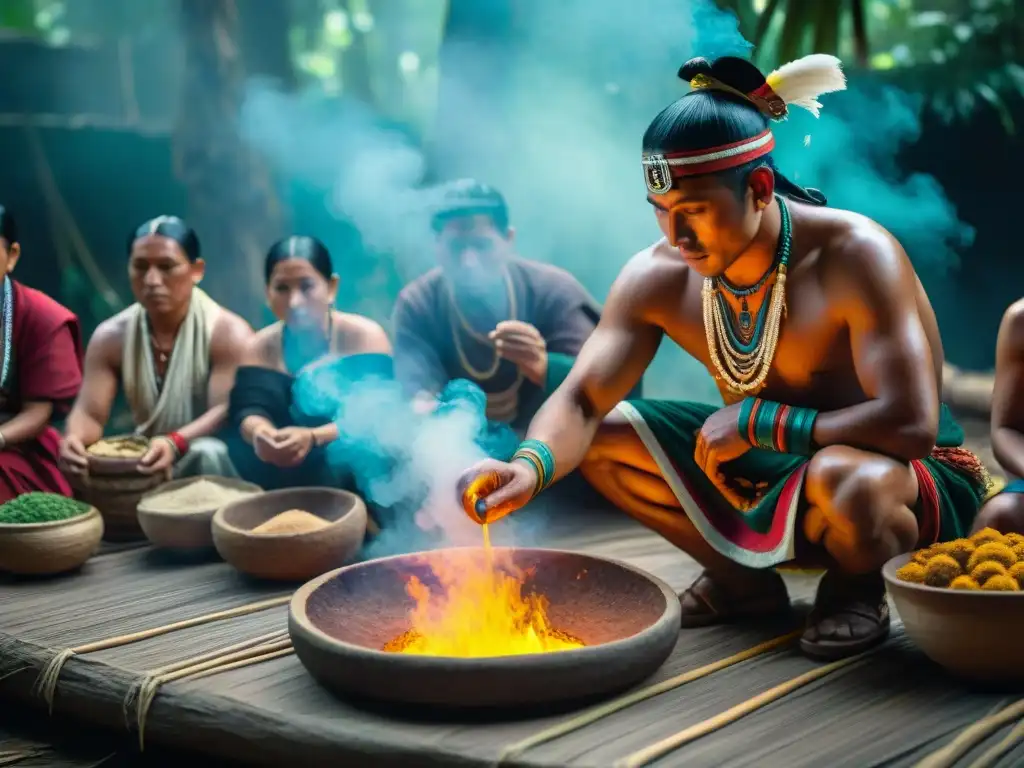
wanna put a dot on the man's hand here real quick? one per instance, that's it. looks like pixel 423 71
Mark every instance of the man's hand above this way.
pixel 74 460
pixel 492 489
pixel 523 345
pixel 159 458
pixel 720 441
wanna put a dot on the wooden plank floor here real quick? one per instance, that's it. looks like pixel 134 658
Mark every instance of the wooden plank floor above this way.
pixel 891 710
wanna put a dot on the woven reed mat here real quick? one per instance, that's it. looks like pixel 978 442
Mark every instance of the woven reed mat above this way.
pixel 46 684
pixel 893 709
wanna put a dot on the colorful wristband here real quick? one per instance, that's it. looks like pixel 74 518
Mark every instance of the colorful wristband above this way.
pixel 180 443
pixel 776 427
pixel 539 457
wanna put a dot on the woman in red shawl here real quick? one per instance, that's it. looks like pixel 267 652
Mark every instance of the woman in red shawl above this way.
pixel 40 374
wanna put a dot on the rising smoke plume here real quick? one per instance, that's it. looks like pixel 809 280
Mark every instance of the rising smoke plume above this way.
pixel 588 79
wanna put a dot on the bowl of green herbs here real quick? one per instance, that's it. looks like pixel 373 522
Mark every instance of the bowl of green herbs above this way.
pixel 45 533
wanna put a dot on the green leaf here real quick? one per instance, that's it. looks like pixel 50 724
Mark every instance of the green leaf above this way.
pixel 1005 118
pixel 19 16
pixel 965 102
pixel 800 16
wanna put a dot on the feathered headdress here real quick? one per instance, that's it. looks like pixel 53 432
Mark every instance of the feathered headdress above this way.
pixel 799 83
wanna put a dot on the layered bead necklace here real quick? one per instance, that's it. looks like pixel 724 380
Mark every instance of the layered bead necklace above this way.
pixel 743 356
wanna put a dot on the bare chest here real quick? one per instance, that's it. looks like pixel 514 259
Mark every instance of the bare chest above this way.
pixel 812 358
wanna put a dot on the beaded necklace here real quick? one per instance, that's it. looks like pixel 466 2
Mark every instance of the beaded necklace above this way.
pixel 743 363
pixel 8 321
pixel 456 320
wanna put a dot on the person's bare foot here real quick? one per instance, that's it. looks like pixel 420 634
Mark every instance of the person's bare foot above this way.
pixel 850 616
pixel 710 600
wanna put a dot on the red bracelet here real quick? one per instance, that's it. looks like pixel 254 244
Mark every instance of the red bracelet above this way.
pixel 180 443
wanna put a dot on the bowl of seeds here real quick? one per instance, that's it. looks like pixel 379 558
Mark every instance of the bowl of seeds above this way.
pixel 45 534
pixel 293 534
pixel 177 515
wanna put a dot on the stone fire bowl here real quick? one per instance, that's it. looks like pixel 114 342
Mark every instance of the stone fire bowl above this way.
pixel 628 620
pixel 975 635
pixel 290 556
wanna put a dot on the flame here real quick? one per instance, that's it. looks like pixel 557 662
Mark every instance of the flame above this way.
pixel 479 611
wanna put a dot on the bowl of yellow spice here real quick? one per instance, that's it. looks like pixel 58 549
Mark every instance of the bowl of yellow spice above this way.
pixel 962 603
pixel 45 534
pixel 292 534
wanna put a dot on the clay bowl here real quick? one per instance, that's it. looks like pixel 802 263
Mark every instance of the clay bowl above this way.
pixel 184 529
pixel 114 486
pixel 974 635
pixel 293 556
pixel 627 619
pixel 39 549
pixel 105 466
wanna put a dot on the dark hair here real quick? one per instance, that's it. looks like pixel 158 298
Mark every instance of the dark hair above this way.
pixel 468 197
pixel 173 228
pixel 8 227
pixel 706 118
pixel 299 247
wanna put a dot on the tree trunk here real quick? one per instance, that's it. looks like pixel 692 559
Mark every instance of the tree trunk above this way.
pixel 231 203
pixel 476 63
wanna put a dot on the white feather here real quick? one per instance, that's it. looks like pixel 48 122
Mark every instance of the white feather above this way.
pixel 799 83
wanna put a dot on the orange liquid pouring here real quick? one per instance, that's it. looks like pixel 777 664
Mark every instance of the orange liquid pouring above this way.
pixel 480 611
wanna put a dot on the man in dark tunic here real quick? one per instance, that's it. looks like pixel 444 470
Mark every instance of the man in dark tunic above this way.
pixel 511 326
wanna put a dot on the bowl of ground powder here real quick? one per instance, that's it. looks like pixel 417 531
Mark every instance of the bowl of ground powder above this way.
pixel 178 515
pixel 45 533
pixel 114 485
pixel 118 455
pixel 292 534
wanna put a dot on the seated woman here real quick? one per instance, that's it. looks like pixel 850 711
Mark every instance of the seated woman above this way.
pixel 40 375
pixel 284 429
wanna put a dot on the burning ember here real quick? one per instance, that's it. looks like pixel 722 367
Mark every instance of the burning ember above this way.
pixel 480 611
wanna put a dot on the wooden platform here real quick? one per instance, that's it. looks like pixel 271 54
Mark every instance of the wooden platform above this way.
pixel 893 708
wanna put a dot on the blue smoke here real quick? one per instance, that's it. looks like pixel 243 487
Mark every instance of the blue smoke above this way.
pixel 590 77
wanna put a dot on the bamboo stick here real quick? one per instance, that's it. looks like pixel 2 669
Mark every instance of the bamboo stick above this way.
pixel 46 684
pixel 617 705
pixel 972 736
pixel 991 756
pixel 660 749
pixel 226 661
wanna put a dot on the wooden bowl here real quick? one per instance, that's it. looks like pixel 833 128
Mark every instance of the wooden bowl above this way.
pixel 627 619
pixel 37 549
pixel 973 634
pixel 184 530
pixel 291 556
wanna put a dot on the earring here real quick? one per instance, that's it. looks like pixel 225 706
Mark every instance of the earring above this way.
pixel 761 205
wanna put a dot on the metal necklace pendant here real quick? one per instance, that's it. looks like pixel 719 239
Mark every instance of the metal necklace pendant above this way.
pixel 745 319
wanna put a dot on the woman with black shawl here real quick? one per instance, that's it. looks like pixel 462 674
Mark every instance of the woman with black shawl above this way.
pixel 285 423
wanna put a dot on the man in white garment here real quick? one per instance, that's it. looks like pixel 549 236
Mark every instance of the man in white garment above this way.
pixel 174 353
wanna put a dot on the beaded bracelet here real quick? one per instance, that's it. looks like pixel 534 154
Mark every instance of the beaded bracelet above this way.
pixel 539 456
pixel 777 427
